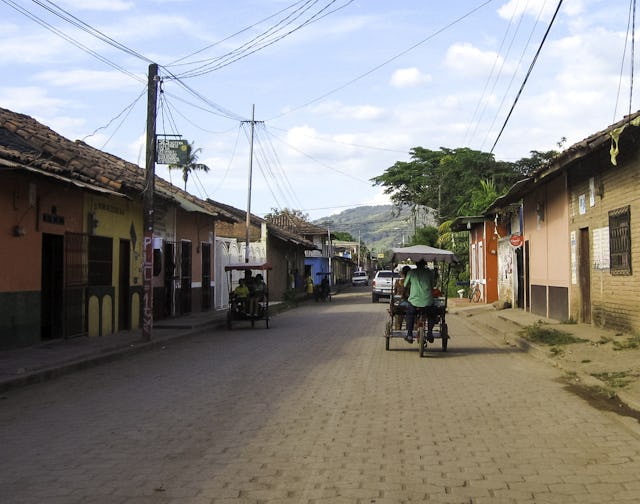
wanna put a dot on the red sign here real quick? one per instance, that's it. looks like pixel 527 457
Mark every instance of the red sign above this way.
pixel 516 240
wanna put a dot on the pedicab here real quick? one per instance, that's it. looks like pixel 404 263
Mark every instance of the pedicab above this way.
pixel 441 261
pixel 322 291
pixel 252 306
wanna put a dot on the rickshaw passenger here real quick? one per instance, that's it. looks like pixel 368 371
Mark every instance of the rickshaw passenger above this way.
pixel 241 294
pixel 400 295
pixel 258 295
pixel 420 281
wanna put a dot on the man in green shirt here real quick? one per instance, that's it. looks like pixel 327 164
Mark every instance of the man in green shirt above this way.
pixel 419 281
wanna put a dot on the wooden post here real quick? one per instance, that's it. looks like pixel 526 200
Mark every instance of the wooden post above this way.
pixel 147 273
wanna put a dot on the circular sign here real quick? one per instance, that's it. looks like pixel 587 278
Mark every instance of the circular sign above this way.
pixel 516 240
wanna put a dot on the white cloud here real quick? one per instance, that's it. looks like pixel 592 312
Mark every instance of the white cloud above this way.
pixel 539 8
pixel 31 100
pixel 89 80
pixel 98 5
pixel 349 112
pixel 409 77
pixel 469 60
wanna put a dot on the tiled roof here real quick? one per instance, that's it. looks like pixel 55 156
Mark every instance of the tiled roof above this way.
pixel 27 144
pixel 277 231
pixel 297 225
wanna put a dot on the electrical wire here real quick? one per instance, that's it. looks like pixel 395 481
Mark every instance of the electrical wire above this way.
pixel 483 102
pixel 513 76
pixel 58 11
pixel 233 155
pixel 70 39
pixel 258 45
pixel 127 109
pixel 179 60
pixel 535 58
pixel 387 61
pixel 624 57
pixel 348 144
pixel 633 54
pixel 320 162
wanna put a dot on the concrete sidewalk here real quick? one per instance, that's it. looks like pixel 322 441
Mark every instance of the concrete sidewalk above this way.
pixel 605 362
pixel 57 357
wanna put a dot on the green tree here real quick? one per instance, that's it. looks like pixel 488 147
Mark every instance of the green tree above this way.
pixel 296 214
pixel 444 179
pixel 480 198
pixel 425 236
pixel 191 164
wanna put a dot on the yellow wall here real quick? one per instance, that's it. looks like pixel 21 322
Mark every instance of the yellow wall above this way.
pixel 117 218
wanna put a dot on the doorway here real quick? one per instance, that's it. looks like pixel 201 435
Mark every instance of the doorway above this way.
pixel 527 283
pixel 205 250
pixel 185 277
pixel 124 306
pixel 169 278
pixel 584 276
pixel 52 287
pixel 520 278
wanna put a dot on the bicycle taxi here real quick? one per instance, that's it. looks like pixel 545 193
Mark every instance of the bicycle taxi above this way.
pixel 440 261
pixel 252 305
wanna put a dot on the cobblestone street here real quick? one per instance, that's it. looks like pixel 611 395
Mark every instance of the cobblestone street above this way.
pixel 315 410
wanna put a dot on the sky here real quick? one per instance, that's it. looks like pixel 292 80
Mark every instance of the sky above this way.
pixel 337 91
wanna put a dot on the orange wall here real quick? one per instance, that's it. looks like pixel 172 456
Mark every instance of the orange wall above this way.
pixel 20 257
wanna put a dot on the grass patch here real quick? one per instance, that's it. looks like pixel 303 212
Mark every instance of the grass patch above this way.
pixel 541 333
pixel 615 379
pixel 628 344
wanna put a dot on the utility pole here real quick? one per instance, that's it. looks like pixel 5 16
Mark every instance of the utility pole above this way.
pixel 248 218
pixel 147 273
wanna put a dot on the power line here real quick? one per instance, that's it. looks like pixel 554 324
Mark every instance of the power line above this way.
pixel 58 11
pixel 535 58
pixel 177 62
pixel 386 62
pixel 71 40
pixel 252 47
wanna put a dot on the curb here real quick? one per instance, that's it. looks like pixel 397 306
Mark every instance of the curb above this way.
pixel 106 355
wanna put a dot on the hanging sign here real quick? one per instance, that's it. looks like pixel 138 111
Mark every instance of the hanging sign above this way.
pixel 172 151
pixel 516 240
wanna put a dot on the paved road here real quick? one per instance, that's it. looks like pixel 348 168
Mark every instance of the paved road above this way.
pixel 314 410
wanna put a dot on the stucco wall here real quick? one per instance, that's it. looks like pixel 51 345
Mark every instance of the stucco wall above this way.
pixel 546 228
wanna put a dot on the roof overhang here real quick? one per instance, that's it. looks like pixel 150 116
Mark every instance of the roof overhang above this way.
pixel 59 178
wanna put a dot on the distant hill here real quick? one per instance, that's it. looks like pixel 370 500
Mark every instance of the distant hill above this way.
pixel 380 227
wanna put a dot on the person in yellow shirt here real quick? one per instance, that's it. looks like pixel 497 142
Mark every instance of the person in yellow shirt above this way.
pixel 241 294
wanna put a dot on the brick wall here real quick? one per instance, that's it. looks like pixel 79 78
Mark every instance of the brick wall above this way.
pixel 595 188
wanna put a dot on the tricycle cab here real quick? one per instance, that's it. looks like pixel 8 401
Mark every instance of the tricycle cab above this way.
pixel 250 303
pixel 441 260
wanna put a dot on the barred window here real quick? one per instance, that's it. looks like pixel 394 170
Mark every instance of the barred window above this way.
pixel 100 260
pixel 620 241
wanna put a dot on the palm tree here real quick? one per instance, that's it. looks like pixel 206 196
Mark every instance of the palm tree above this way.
pixel 191 164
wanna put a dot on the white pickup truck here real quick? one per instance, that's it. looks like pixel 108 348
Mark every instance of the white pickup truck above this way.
pixel 382 285
pixel 360 278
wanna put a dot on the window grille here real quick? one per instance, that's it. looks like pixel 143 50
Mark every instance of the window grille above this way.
pixel 620 241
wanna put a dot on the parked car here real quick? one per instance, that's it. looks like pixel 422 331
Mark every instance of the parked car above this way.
pixel 382 285
pixel 360 278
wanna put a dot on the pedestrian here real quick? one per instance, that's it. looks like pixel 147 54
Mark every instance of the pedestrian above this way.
pixel 309 285
pixel 420 283
pixel 400 295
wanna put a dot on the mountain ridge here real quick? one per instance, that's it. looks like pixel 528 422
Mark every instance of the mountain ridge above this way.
pixel 379 227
